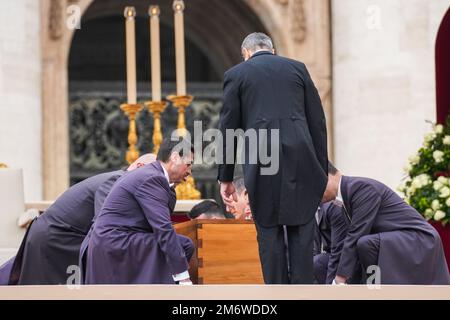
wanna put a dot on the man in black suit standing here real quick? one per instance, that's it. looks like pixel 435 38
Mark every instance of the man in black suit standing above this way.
pixel 271 94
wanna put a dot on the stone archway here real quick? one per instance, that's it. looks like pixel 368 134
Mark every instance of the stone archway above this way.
pixel 56 39
pixel 300 29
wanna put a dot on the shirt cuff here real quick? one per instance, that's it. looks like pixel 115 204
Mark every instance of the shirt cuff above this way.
pixel 181 276
pixel 334 283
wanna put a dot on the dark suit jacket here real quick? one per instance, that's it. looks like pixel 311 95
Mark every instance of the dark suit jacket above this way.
pixel 332 227
pixel 100 196
pixel 52 242
pixel 272 92
pixel 133 240
pixel 322 234
pixel 410 248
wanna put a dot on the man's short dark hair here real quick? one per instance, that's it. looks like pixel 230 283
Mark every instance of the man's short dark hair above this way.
pixel 332 169
pixel 168 146
pixel 207 207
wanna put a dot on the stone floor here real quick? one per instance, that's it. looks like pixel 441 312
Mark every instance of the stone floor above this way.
pixel 225 292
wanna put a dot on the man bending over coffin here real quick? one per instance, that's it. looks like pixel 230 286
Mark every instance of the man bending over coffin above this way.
pixel 207 209
pixel 133 241
pixel 385 232
pixel 100 196
pixel 328 243
pixel 52 241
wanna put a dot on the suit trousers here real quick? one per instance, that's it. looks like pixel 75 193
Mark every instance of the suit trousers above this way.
pixel 187 245
pixel 5 272
pixel 368 248
pixel 286 253
pixel 321 267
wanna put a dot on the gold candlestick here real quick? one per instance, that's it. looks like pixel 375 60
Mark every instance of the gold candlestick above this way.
pixel 131 110
pixel 156 108
pixel 185 190
pixel 181 103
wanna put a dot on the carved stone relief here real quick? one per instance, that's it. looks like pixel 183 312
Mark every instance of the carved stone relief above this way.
pixel 298 20
pixel 55 24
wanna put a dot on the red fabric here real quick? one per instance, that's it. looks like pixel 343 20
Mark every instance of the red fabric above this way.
pixel 443 69
pixel 444 233
pixel 176 218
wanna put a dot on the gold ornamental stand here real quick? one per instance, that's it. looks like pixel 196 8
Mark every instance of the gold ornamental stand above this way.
pixel 131 110
pixel 181 103
pixel 156 108
pixel 185 190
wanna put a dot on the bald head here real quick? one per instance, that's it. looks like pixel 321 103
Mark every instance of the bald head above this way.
pixel 142 161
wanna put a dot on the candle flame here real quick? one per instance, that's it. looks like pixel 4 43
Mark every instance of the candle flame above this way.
pixel 154 11
pixel 129 12
pixel 178 5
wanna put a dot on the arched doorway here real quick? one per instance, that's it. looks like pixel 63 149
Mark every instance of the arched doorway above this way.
pixel 97 78
pixel 300 34
pixel 443 69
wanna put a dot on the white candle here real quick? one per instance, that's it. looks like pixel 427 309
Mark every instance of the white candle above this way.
pixel 178 7
pixel 130 14
pixel 155 52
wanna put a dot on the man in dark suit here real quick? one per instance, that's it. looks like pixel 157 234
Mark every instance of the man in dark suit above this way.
pixel 100 196
pixel 332 226
pixel 384 232
pixel 133 240
pixel 271 94
pixel 322 244
pixel 52 241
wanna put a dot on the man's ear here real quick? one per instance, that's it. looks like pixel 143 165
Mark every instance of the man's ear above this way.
pixel 246 54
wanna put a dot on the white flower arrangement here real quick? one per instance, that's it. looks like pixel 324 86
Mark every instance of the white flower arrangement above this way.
pixel 427 184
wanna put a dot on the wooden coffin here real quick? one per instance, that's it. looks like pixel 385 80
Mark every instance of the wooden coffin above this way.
pixel 226 251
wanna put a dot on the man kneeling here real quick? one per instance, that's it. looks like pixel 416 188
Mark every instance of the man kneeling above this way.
pixel 133 240
pixel 386 233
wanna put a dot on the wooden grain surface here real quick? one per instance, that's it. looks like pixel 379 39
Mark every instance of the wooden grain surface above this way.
pixel 226 251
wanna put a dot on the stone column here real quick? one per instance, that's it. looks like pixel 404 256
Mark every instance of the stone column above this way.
pixel 55 98
pixel 310 33
pixel 383 82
